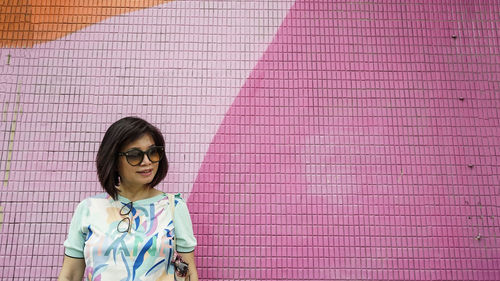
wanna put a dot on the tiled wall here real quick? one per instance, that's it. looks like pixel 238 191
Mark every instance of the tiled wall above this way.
pixel 313 140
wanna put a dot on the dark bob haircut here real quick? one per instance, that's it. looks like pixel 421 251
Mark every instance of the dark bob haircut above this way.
pixel 120 133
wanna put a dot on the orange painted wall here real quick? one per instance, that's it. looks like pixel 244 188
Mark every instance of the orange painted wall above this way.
pixel 25 23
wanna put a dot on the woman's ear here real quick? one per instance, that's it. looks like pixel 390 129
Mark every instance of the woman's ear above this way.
pixel 116 178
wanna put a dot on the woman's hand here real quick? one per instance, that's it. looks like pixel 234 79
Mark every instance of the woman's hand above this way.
pixel 72 269
pixel 192 271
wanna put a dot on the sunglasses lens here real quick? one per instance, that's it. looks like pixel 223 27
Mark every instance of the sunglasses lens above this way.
pixel 123 225
pixel 155 154
pixel 135 157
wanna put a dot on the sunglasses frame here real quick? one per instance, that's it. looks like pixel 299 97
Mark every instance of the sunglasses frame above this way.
pixel 160 148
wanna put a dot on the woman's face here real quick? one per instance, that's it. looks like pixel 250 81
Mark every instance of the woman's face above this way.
pixel 142 174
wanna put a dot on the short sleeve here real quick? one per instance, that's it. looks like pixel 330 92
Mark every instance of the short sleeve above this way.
pixel 183 226
pixel 75 240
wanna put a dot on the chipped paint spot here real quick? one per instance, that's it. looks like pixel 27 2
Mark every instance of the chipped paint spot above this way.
pixel 401 175
pixel 8 59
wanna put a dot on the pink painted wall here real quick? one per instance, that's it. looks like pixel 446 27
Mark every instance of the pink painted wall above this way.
pixel 313 140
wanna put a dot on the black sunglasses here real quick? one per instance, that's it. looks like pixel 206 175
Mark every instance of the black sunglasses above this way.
pixel 125 224
pixel 135 156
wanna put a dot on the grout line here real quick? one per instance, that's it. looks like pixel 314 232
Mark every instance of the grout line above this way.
pixel 4 116
pixel 1 217
pixel 12 133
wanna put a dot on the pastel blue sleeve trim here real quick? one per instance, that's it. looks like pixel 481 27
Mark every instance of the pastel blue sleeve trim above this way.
pixel 73 253
pixel 75 240
pixel 186 242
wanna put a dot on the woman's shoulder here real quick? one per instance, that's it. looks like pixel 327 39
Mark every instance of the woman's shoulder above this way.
pixel 99 198
pixel 178 199
pixel 178 196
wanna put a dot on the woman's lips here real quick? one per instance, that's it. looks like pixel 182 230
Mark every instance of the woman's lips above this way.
pixel 145 173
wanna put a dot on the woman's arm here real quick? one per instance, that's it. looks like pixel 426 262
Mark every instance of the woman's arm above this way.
pixel 72 269
pixel 189 259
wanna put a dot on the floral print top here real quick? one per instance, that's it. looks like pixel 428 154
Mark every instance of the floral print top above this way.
pixel 144 252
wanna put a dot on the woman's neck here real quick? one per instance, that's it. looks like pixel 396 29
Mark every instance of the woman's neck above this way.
pixel 137 193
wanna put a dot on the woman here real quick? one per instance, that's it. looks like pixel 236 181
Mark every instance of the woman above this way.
pixel 127 233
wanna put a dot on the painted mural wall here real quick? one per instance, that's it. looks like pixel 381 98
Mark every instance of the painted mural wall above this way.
pixel 313 140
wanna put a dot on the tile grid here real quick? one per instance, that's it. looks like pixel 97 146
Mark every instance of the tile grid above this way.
pixel 466 124
pixel 409 146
